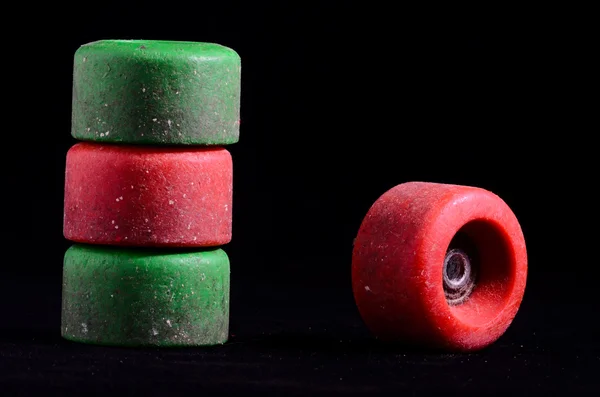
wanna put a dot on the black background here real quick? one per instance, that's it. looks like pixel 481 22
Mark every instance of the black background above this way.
pixel 339 104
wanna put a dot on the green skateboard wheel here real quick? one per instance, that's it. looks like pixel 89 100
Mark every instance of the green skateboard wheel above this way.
pixel 141 297
pixel 156 92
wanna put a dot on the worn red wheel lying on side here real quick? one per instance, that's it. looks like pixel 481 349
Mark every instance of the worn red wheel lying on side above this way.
pixel 439 266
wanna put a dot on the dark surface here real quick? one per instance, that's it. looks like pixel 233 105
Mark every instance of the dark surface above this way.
pixel 340 102
pixel 288 340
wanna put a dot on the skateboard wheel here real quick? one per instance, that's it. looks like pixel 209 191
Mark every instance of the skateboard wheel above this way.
pixel 156 92
pixel 148 195
pixel 439 266
pixel 138 297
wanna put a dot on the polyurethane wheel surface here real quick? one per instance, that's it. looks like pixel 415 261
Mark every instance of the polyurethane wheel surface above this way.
pixel 439 266
pixel 125 296
pixel 156 92
pixel 148 196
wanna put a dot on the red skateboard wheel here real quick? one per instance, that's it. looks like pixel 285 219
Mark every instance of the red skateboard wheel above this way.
pixel 148 196
pixel 439 266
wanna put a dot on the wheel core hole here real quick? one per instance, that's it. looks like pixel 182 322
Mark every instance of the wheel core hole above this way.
pixel 460 269
pixel 456 264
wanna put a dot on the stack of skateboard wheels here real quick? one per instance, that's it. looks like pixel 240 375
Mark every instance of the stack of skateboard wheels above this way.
pixel 148 193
